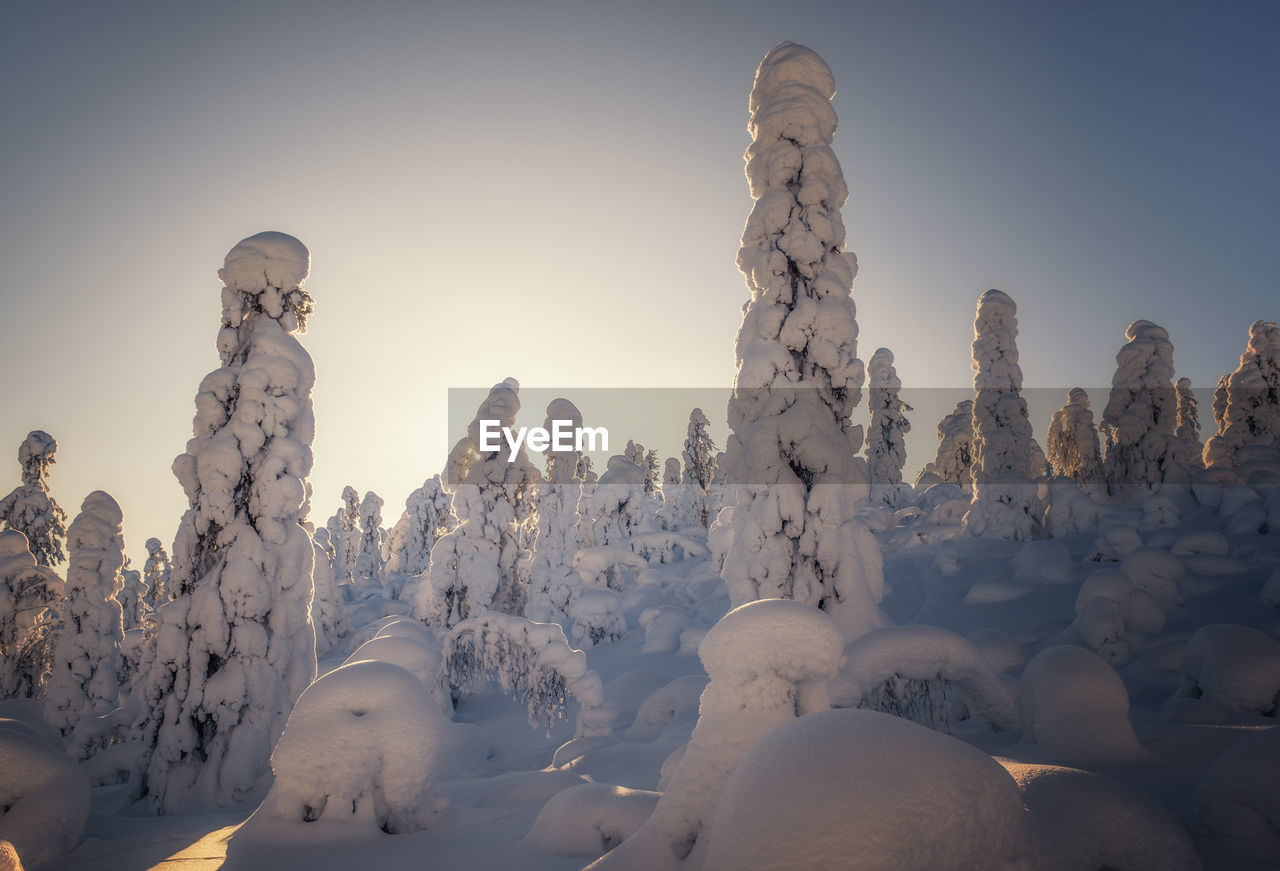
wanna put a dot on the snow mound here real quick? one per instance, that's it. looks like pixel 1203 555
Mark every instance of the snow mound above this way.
pixel 1075 708
pixel 268 259
pixel 1114 616
pixel 1083 820
pixel 1239 797
pixel 9 860
pixel 921 652
pixel 44 797
pixel 1202 541
pixel 674 702
pixel 992 591
pixel 1114 543
pixel 1234 667
pixel 1156 571
pixel 423 661
pixel 832 788
pixel 1043 562
pixel 361 746
pixel 999 648
pixel 590 819
pixel 662 629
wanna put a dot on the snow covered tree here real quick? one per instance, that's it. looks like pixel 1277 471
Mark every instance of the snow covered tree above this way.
pixel 793 453
pixel 155 573
pixel 30 509
pixel 132 597
pixel 1141 413
pixel 1005 498
pixel 1074 452
pixel 327 603
pixel 1251 413
pixel 886 438
pixel 554 583
pixel 699 465
pixel 85 679
pixel 1220 404
pixel 236 646
pixel 368 568
pixel 28 593
pixel 619 506
pixel 673 498
pixel 427 516
pixel 481 564
pixel 1187 429
pixel 344 536
pixel 954 461
pixel 648 463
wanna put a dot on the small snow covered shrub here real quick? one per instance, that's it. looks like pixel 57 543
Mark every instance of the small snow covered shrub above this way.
pixel 531 660
pixel 361 745
pixel 1115 617
pixel 859 789
pixel 1075 709
pixel 44 796
pixel 1238 799
pixel 768 662
pixel 1234 667
pixel 597 618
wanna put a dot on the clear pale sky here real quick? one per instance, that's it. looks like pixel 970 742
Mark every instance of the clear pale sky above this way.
pixel 554 191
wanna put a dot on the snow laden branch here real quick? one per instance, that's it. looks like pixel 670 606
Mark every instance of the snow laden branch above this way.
pixel 532 661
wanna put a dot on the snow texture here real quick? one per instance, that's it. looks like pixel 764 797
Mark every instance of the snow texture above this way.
pixel 886 436
pixel 1234 667
pixel 30 509
pixel 1141 414
pixel 925 653
pixel 44 796
pixel 1006 502
pixel 236 647
pixel 1075 709
pixel 85 678
pixel 859 789
pixel 793 452
pixel 768 662
pixel 362 746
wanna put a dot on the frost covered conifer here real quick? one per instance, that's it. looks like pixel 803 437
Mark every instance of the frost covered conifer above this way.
pixel 368 568
pixel 327 602
pixel 481 564
pixel 793 452
pixel 29 508
pixel 1074 451
pixel 344 536
pixel 886 438
pixel 85 677
pixel 236 646
pixel 554 583
pixel 155 573
pixel 427 516
pixel 132 597
pixel 28 593
pixel 699 466
pixel 1141 413
pixel 1005 499
pixel 954 461
pixel 619 506
pixel 1251 408
pixel 1187 428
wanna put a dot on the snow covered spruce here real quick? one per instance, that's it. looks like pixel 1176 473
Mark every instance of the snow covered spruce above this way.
pixel 236 646
pixel 793 452
pixel 886 438
pixel 30 509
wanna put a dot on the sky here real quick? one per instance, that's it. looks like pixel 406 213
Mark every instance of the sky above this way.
pixel 554 191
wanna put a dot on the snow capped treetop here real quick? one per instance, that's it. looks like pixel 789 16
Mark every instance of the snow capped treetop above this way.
pixel 995 350
pixel 263 273
pixel 791 98
pixel 562 466
pixel 35 455
pixel 772 638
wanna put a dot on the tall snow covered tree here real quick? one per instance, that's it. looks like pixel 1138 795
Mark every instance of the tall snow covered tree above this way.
pixel 481 564
pixel 953 463
pixel 30 509
pixel 132 597
pixel 28 593
pixel 427 516
pixel 699 465
pixel 1074 451
pixel 1141 413
pixel 368 569
pixel 1251 412
pixel 85 677
pixel 1005 498
pixel 155 573
pixel 1187 428
pixel 236 646
pixel 886 438
pixel 793 452
pixel 344 536
pixel 554 583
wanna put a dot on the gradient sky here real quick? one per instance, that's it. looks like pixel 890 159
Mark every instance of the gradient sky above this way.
pixel 554 191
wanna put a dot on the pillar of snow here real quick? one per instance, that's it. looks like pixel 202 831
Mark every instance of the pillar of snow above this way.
pixel 29 508
pixel 236 646
pixel 1251 406
pixel 85 677
pixel 1141 452
pixel 793 455
pixel 768 662
pixel 1006 501
pixel 886 438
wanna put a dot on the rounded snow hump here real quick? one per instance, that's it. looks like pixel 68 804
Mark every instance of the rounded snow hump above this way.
pixel 269 259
